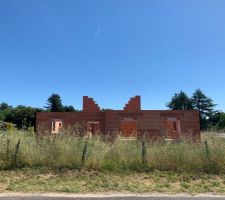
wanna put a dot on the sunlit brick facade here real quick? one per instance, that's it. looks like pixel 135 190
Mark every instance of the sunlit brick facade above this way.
pixel 129 122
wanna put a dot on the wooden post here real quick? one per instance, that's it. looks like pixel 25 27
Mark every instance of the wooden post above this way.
pixel 84 152
pixel 207 149
pixel 7 149
pixel 16 152
pixel 143 152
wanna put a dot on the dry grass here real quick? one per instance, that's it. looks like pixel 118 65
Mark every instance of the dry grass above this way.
pixel 54 165
pixel 122 155
pixel 75 181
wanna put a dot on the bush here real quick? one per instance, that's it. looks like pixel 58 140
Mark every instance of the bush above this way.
pixel 6 126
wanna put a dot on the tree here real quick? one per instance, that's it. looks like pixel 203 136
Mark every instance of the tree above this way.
pixel 221 123
pixel 4 106
pixel 106 109
pixel 68 109
pixel 4 109
pixel 215 118
pixel 22 116
pixel 204 105
pixel 180 101
pixel 54 103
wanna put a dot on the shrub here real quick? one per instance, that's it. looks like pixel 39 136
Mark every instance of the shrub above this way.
pixel 6 126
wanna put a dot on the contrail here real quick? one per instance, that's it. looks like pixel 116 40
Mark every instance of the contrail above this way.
pixel 93 39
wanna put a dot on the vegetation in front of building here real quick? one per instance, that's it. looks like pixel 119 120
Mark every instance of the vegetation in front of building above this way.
pixel 60 165
pixel 22 149
pixel 68 163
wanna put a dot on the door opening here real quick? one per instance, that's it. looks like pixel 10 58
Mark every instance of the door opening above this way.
pixel 172 126
pixel 93 127
pixel 128 127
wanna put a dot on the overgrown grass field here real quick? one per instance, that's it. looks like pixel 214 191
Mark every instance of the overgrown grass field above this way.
pixel 66 163
pixel 22 149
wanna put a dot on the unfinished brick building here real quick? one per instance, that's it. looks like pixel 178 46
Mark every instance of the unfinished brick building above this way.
pixel 129 122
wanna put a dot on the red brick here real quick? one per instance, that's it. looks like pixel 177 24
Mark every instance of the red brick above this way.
pixel 150 121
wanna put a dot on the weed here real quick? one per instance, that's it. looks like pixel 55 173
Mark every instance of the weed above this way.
pixel 74 152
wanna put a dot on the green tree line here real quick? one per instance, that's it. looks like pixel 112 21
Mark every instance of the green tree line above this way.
pixel 24 116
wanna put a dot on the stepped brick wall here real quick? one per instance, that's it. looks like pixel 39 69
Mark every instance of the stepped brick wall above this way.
pixel 134 104
pixel 89 105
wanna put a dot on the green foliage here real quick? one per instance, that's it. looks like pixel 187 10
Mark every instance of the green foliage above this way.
pixel 2 116
pixel 221 123
pixel 202 103
pixel 54 103
pixel 22 116
pixel 215 118
pixel 180 101
pixel 106 109
pixel 9 126
pixel 4 108
pixel 6 126
pixel 205 107
pixel 198 101
pixel 69 109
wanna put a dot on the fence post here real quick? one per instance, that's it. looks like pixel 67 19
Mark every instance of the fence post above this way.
pixel 143 152
pixel 7 149
pixel 84 152
pixel 16 152
pixel 207 149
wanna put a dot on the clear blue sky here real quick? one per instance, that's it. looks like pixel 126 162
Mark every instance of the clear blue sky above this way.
pixel 111 50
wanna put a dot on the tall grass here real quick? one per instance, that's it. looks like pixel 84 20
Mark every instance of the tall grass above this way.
pixel 65 151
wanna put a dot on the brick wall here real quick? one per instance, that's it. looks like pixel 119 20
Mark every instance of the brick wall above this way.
pixel 134 104
pixel 89 105
pixel 70 120
pixel 149 122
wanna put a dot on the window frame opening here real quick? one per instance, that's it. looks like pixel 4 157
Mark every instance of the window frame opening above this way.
pixel 56 126
pixel 172 128
pixel 92 127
